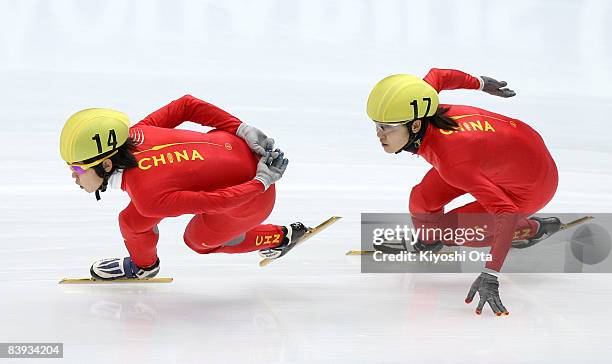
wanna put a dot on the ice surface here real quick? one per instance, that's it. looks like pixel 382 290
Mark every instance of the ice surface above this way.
pixel 301 71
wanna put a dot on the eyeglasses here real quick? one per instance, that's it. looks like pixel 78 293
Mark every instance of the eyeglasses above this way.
pixel 385 128
pixel 80 168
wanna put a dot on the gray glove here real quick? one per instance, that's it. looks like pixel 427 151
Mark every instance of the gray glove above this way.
pixel 270 169
pixel 255 139
pixel 488 289
pixel 496 88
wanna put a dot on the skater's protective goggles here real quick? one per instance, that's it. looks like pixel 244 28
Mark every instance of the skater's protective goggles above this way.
pixel 385 127
pixel 80 168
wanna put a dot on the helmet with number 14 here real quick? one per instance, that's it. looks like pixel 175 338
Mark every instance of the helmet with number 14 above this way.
pixel 92 135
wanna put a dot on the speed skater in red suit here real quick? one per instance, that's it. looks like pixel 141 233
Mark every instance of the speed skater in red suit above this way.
pixel 224 178
pixel 500 161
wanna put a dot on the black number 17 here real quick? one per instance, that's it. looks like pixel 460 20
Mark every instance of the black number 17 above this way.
pixel 416 107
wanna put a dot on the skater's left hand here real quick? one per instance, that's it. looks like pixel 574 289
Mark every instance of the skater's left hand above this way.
pixel 496 88
pixel 255 139
pixel 271 168
pixel 488 290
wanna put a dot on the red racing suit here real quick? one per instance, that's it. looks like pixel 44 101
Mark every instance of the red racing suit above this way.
pixel 502 162
pixel 209 175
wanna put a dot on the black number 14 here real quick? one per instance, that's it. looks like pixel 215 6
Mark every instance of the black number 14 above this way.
pixel 111 142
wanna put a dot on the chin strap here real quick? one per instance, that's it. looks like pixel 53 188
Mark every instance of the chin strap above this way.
pixel 414 139
pixel 102 187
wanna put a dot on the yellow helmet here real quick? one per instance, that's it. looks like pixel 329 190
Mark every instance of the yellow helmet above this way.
pixel 93 134
pixel 401 98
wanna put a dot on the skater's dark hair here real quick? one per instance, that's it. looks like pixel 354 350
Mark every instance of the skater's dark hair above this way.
pixel 124 159
pixel 441 120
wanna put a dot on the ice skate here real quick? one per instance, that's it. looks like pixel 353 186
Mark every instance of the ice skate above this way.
pixel 398 246
pixel 293 234
pixel 296 234
pixel 547 226
pixel 392 246
pixel 121 268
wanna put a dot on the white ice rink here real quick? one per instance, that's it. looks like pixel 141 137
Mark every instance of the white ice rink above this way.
pixel 301 71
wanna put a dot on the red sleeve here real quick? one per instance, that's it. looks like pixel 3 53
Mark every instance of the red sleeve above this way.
pixel 178 203
pixel 140 235
pixel 495 201
pixel 189 108
pixel 441 79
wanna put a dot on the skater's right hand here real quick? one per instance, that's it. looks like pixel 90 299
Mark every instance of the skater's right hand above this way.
pixel 256 139
pixel 271 168
pixel 496 88
pixel 487 287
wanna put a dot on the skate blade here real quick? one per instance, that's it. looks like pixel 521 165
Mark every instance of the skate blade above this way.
pixel 369 252
pixel 309 234
pixel 124 280
pixel 359 252
pixel 576 222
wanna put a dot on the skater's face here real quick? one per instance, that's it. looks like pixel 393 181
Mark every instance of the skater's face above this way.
pixel 392 138
pixel 89 179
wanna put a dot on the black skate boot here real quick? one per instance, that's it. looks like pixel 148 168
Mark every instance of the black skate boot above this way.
pixel 547 227
pixel 392 246
pixel 293 233
pixel 421 246
pixel 398 246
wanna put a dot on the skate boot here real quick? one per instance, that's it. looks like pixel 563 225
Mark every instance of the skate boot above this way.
pixel 434 247
pixel 392 246
pixel 293 233
pixel 398 246
pixel 121 268
pixel 546 227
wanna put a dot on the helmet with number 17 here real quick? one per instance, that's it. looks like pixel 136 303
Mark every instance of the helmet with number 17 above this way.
pixel 92 135
pixel 399 99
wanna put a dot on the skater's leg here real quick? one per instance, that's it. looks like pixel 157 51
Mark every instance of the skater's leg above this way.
pixel 225 234
pixel 428 198
pixel 473 215
pixel 432 194
pixel 427 201
pixel 140 235
pixel 237 231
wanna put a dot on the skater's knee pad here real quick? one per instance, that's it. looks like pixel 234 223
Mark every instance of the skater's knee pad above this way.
pixel 235 241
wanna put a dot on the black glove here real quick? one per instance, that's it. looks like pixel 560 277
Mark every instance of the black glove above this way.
pixel 494 87
pixel 488 289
